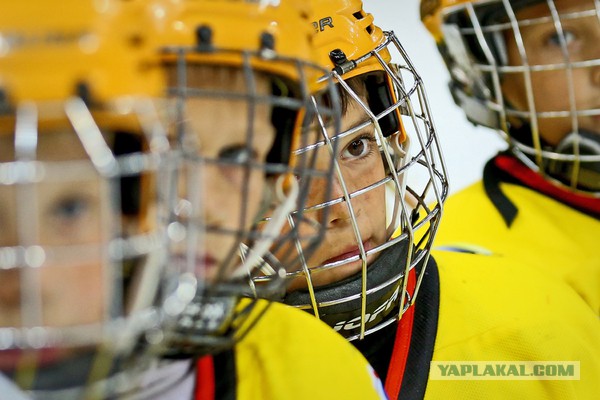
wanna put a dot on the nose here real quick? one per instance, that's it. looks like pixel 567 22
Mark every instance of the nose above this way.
pixel 218 202
pixel 339 213
pixel 201 190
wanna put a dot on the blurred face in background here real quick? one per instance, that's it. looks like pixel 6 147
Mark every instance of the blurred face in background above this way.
pixel 230 139
pixel 550 88
pixel 58 291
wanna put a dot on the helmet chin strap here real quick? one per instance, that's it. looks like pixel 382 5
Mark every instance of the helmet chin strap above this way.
pixel 343 313
pixel 588 143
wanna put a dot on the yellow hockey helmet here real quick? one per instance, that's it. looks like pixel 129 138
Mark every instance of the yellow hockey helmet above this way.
pixel 222 33
pixel 79 50
pixel 348 32
pixel 431 11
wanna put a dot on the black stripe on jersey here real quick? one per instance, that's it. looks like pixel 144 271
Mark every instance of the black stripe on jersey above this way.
pixel 378 347
pixel 492 176
pixel 225 375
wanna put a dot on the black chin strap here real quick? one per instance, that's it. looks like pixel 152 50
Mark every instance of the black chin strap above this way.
pixel 345 316
pixel 588 144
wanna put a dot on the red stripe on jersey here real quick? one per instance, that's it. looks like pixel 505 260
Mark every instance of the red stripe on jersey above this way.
pixel 205 379
pixel 397 365
pixel 530 178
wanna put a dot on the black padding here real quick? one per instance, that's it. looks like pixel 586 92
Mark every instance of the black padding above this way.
pixel 342 316
pixel 130 186
pixel 225 375
pixel 380 99
pixel 283 120
pixel 492 177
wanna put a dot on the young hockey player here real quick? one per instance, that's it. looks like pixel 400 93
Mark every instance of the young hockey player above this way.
pixel 529 70
pixel 373 281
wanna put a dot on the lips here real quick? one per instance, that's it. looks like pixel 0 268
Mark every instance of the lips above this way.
pixel 348 253
pixel 10 359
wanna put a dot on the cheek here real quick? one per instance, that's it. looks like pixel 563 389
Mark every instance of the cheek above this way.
pixel 550 90
pixel 372 201
pixel 514 92
pixel 82 302
pixel 85 230
pixel 10 295
pixel 236 201
pixel 552 94
pixel 361 175
pixel 8 228
pixel 376 208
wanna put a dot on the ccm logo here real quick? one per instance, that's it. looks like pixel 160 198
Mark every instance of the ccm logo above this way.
pixel 354 323
pixel 322 23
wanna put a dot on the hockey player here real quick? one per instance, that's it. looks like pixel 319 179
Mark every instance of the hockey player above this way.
pixel 242 102
pixel 373 281
pixel 90 297
pixel 529 70
pixel 82 244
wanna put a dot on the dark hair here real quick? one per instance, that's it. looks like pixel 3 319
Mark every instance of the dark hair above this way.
pixel 358 86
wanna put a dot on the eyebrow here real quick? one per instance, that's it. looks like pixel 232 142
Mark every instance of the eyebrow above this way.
pixel 358 125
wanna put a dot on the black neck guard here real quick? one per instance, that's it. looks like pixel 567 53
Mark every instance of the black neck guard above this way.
pixel 340 302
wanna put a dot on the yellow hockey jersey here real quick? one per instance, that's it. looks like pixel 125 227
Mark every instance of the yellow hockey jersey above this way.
pixel 288 354
pixel 547 234
pixel 475 311
pixel 500 313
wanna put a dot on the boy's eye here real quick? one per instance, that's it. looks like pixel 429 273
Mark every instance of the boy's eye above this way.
pixel 237 155
pixel 70 208
pixel 555 40
pixel 357 148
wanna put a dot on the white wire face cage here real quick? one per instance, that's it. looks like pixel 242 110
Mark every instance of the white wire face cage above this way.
pixel 385 203
pixel 531 70
pixel 239 183
pixel 83 244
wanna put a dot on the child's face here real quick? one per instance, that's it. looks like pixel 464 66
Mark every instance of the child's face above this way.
pixel 551 87
pixel 360 165
pixel 60 290
pixel 231 193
